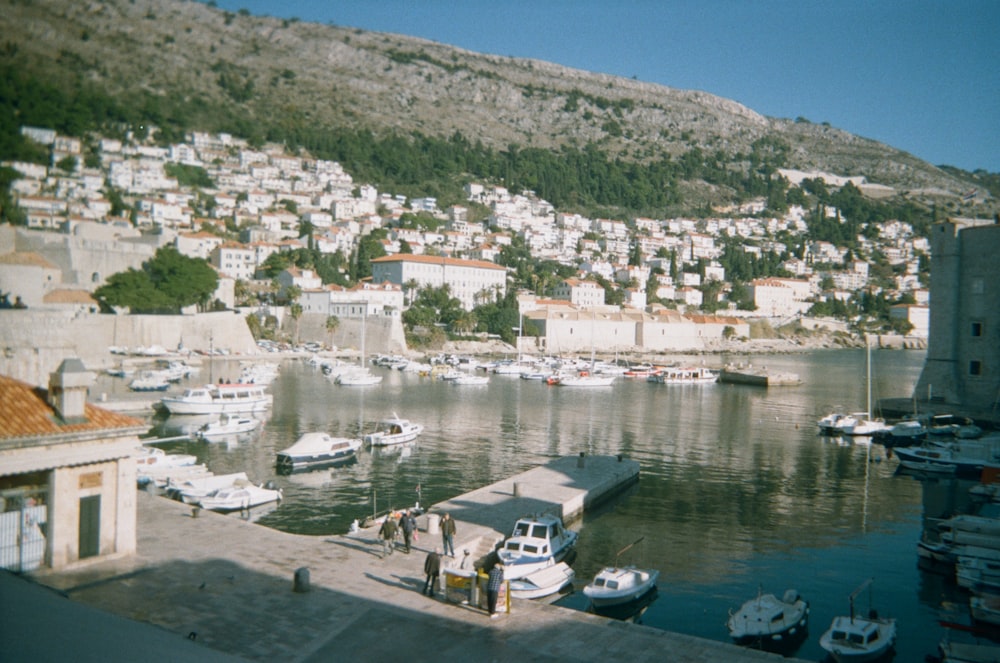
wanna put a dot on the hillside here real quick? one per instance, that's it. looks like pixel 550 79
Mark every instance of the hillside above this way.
pixel 187 65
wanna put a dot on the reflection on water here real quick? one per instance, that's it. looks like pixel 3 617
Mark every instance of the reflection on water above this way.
pixel 737 490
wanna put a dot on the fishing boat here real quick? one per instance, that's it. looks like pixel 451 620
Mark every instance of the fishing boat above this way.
pixel 218 398
pixel 313 450
pixel 227 425
pixel 853 638
pixel 537 542
pixel 393 430
pixel 585 379
pixel 767 620
pixel 543 583
pixel 471 380
pixel 615 586
pixel 241 496
pixel 685 375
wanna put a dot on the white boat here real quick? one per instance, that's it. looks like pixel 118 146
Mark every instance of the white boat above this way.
pixel 227 425
pixel 471 380
pixel 768 620
pixel 149 381
pixel 155 466
pixel 240 497
pixel 358 378
pixel 317 450
pixel 977 572
pixel 394 430
pixel 859 424
pixel 685 375
pixel 614 586
pixel 855 638
pixel 962 652
pixel 585 379
pixel 544 582
pixel 191 490
pixel 536 543
pixel 218 398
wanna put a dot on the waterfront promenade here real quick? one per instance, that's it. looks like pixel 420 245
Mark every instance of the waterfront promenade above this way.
pixel 225 584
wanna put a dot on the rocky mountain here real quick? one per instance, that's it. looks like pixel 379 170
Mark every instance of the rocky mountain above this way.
pixel 201 67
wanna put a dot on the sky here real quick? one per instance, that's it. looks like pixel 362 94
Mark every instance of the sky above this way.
pixel 920 75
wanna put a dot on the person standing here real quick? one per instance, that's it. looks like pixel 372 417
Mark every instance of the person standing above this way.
pixel 432 567
pixel 493 583
pixel 407 523
pixel 448 534
pixel 388 534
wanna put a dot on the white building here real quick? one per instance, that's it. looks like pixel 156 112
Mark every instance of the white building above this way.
pixel 468 280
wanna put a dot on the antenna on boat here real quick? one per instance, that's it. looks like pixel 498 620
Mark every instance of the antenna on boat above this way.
pixel 854 594
pixel 626 548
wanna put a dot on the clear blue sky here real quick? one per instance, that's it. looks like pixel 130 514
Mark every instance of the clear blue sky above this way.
pixel 920 75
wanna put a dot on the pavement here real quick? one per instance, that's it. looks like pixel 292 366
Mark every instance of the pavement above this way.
pixel 219 588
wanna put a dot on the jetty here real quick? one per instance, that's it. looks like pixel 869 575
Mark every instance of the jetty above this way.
pixel 228 587
pixel 757 376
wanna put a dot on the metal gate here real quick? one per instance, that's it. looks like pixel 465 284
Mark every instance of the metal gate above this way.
pixel 23 527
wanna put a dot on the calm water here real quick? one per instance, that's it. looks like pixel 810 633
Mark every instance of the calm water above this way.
pixel 737 489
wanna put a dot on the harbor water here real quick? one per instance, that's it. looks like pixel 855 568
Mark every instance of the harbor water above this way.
pixel 737 489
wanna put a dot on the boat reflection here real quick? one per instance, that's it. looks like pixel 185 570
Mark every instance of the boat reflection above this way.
pixel 631 611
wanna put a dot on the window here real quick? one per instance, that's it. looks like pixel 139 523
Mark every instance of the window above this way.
pixel 977 329
pixel 975 367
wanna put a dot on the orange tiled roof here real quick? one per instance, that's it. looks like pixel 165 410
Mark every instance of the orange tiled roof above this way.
pixel 68 296
pixel 26 258
pixel 25 412
pixel 438 260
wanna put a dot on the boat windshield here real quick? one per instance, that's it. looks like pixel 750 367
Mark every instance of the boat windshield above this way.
pixel 539 532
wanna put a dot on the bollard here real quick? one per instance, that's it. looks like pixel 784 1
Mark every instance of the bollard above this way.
pixel 517 489
pixel 195 510
pixel 301 582
pixel 433 523
pixel 582 460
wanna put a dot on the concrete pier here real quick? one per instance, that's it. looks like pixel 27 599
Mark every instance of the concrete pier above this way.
pixel 228 585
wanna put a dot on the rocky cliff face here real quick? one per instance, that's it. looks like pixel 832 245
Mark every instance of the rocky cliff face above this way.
pixel 196 59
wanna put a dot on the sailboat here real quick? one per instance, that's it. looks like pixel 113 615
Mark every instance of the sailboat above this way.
pixel 587 378
pixel 362 376
pixel 855 423
pixel 512 368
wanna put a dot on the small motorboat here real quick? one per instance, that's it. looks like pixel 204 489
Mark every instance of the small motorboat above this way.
pixel 314 450
pixel 393 430
pixel 149 381
pixel 768 620
pixel 471 380
pixel 227 425
pixel 241 496
pixel 614 586
pixel 191 490
pixel 536 543
pixel 544 582
pixel 855 638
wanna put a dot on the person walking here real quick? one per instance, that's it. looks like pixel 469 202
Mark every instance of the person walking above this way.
pixel 448 534
pixel 388 535
pixel 493 583
pixel 407 523
pixel 432 567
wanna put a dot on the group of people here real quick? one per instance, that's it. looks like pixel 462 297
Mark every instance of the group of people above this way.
pixel 406 523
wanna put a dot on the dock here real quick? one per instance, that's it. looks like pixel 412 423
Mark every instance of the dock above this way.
pixel 758 377
pixel 235 589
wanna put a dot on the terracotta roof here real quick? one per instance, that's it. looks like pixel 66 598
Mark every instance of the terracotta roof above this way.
pixel 68 296
pixel 26 258
pixel 25 412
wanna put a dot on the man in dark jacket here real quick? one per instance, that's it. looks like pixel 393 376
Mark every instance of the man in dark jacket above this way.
pixel 432 567
pixel 388 534
pixel 408 524
pixel 493 584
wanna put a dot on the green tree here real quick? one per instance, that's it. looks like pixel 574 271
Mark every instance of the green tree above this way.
pixel 167 282
pixel 332 325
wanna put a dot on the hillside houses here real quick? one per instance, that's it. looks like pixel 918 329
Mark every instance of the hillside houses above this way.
pixel 263 196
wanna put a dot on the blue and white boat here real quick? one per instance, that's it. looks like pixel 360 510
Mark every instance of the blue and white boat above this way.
pixel 537 542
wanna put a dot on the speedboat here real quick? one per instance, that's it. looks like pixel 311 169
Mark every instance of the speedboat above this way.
pixel 544 582
pixel 240 497
pixel 149 381
pixel 217 398
pixel 536 543
pixel 190 491
pixel 768 620
pixel 227 425
pixel 855 638
pixel 614 586
pixel 394 430
pixel 317 450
